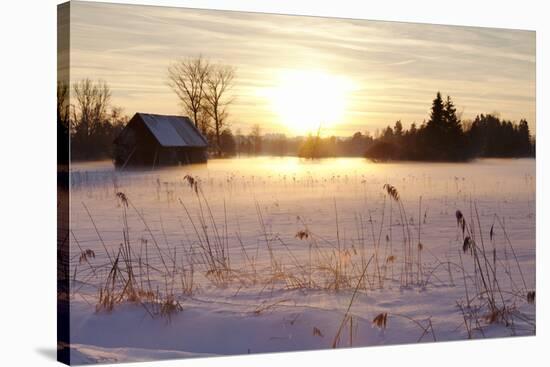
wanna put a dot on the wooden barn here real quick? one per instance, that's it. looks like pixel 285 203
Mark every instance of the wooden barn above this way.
pixel 158 140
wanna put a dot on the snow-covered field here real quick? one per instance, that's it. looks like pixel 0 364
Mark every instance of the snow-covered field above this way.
pixel 267 254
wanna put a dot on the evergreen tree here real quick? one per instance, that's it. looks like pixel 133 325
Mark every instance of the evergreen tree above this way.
pixel 437 114
pixel 388 133
pixel 413 130
pixel 455 148
pixel 445 138
pixel 524 136
pixel 431 138
pixel 452 122
pixel 398 128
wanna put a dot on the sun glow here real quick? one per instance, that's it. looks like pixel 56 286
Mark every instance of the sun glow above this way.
pixel 307 101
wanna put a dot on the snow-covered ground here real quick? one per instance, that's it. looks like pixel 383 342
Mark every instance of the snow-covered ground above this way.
pixel 255 209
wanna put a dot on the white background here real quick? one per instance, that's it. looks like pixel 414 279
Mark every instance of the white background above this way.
pixel 28 179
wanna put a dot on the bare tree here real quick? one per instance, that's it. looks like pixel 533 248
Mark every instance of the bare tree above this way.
pixel 117 118
pixel 218 82
pixel 62 122
pixel 63 103
pixel 204 120
pixel 92 100
pixel 187 78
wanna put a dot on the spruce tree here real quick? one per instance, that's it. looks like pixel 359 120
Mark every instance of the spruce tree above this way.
pixel 432 137
pixel 452 123
pixel 436 115
pixel 524 137
pixel 398 128
pixel 454 136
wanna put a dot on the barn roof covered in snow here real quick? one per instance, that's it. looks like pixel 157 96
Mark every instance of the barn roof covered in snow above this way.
pixel 173 131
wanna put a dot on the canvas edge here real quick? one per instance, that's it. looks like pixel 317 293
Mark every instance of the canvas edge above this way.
pixel 63 189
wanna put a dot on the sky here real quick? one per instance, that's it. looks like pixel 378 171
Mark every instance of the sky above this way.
pixel 294 74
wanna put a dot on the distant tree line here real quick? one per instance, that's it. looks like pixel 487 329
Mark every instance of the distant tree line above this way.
pixel 445 138
pixel 254 143
pixel 318 147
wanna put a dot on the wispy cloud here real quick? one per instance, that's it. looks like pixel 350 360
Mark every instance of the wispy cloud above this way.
pixel 404 62
pixel 397 67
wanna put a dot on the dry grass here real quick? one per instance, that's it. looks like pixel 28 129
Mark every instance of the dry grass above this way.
pixel 381 320
pixel 338 264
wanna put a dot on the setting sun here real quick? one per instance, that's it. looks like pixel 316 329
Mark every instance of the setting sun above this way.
pixel 308 100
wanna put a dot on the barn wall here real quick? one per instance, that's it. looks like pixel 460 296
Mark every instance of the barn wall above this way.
pixel 174 156
pixel 137 145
